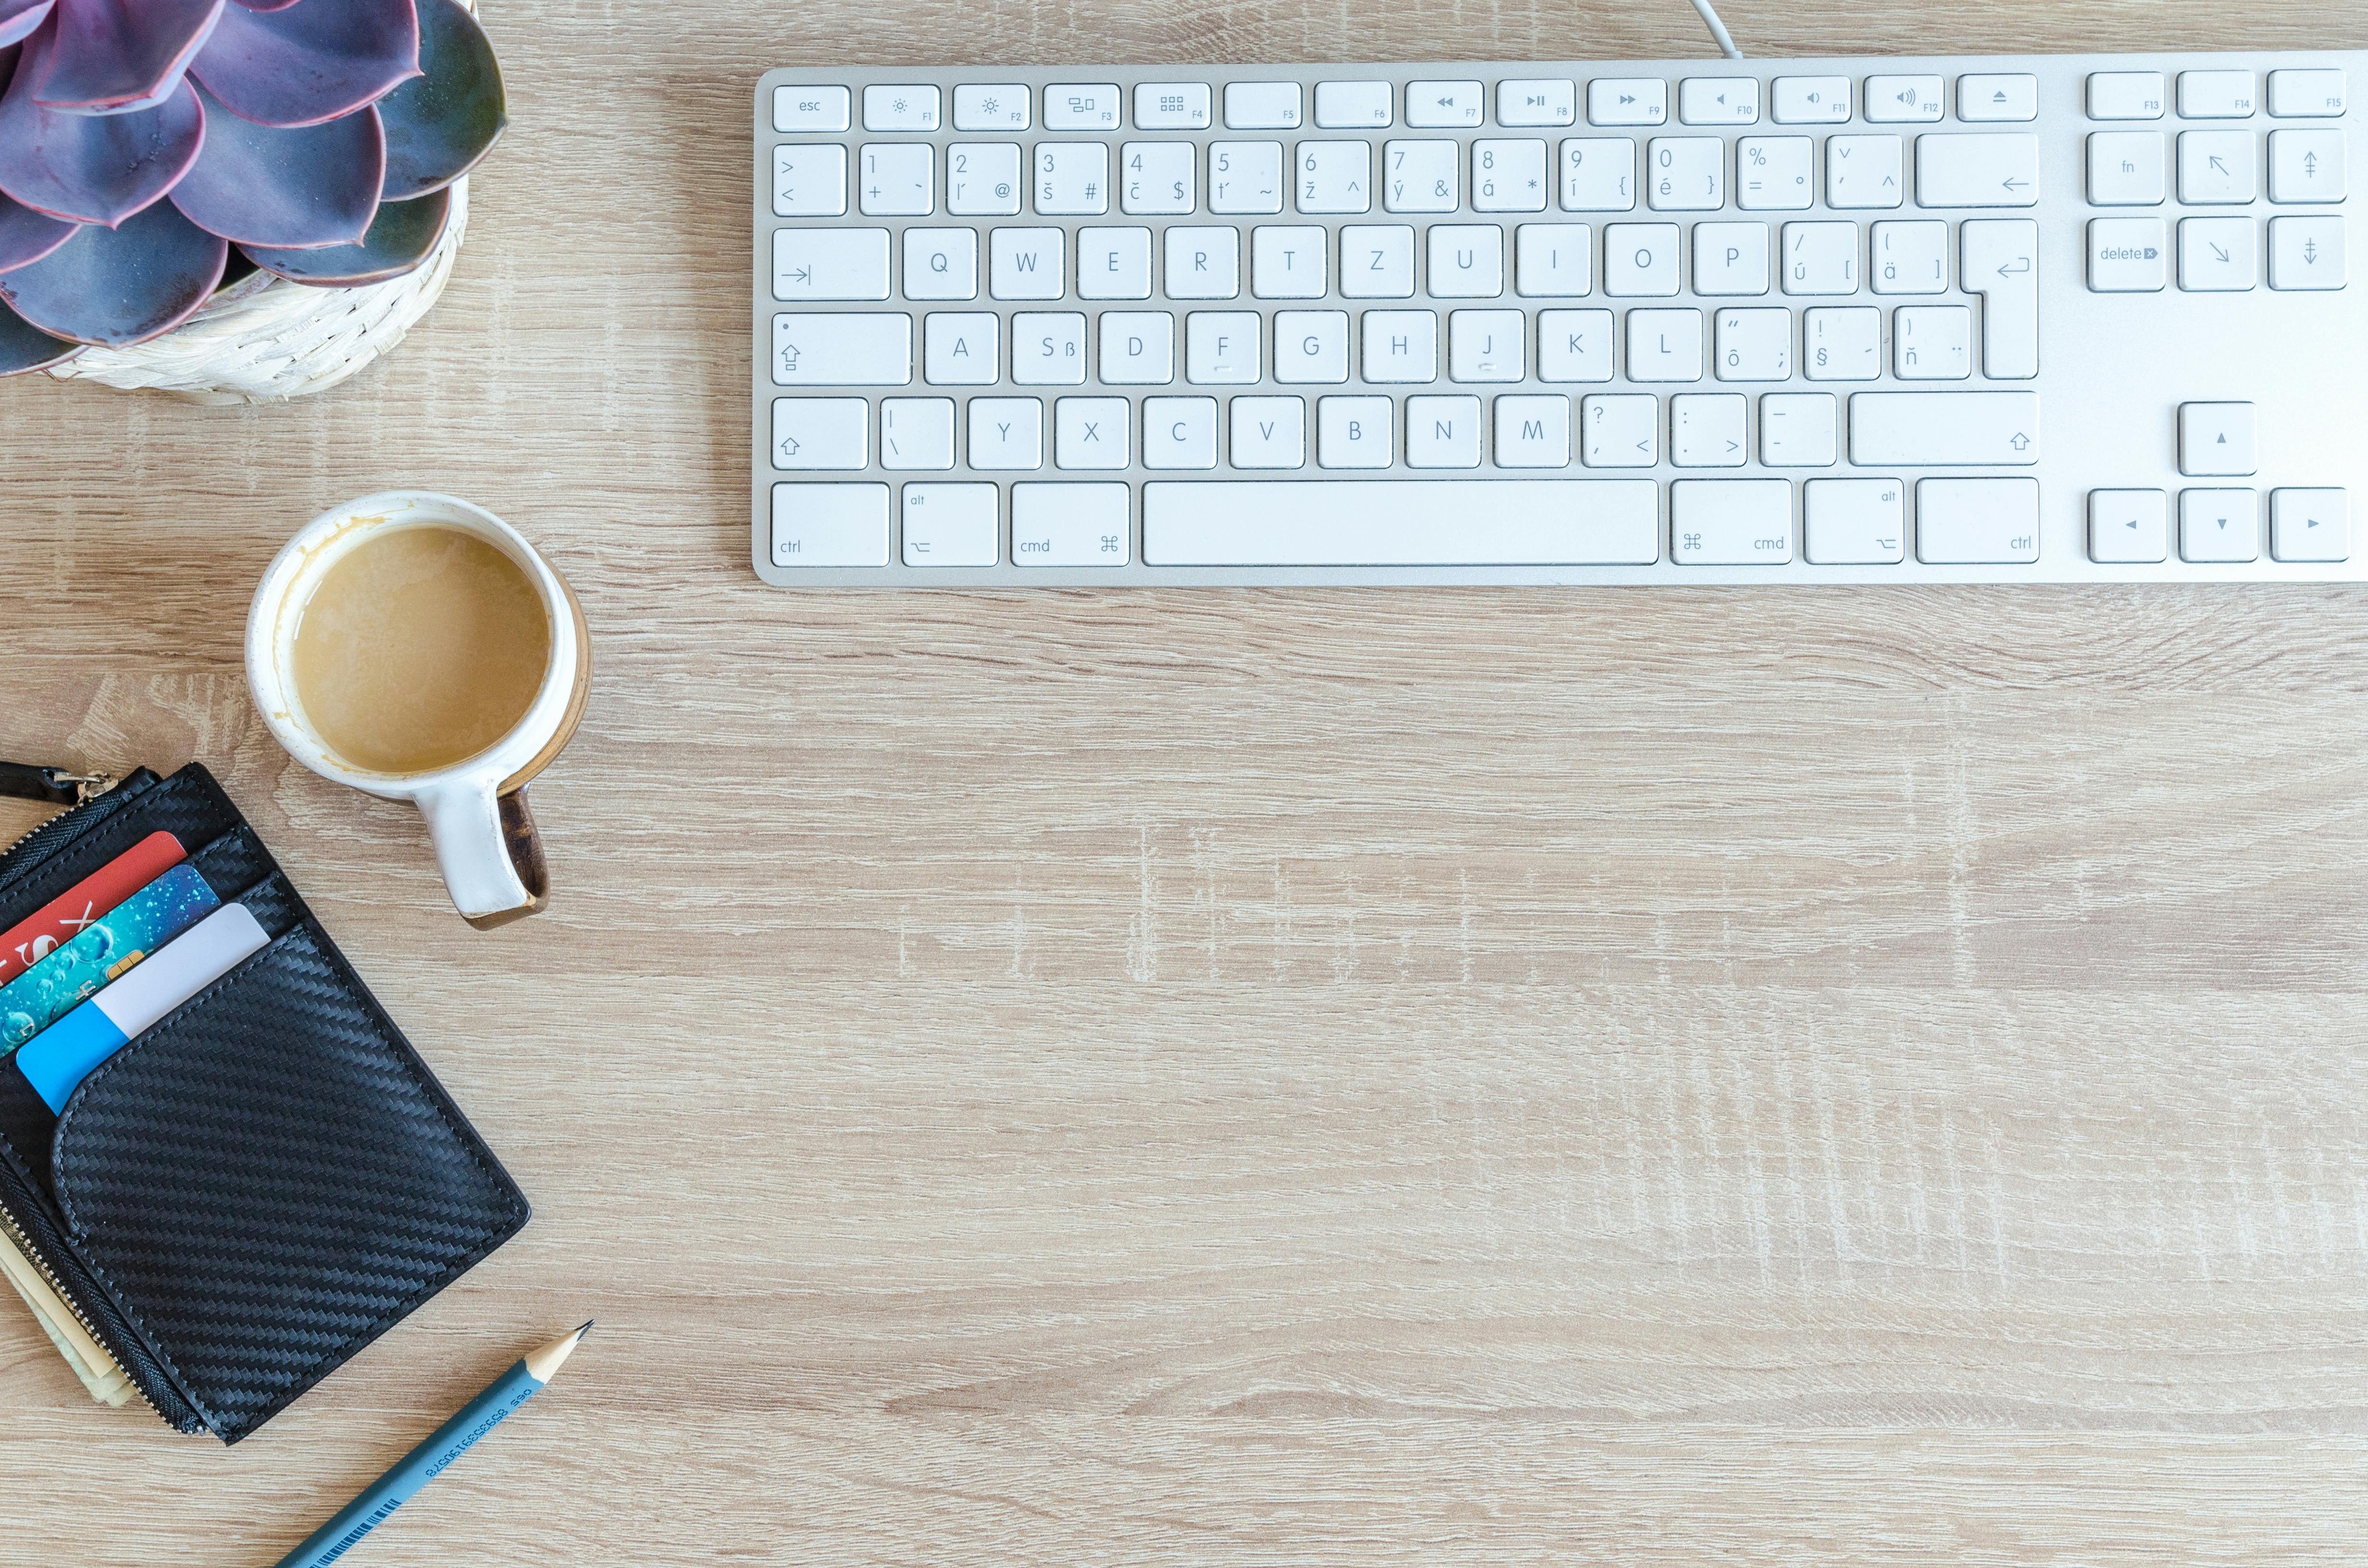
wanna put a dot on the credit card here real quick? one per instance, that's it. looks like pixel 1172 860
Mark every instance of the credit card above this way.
pixel 69 915
pixel 110 946
pixel 62 1055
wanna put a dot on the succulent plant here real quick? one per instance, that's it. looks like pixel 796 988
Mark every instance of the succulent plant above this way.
pixel 149 148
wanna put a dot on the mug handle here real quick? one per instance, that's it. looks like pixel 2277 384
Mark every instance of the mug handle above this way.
pixel 489 852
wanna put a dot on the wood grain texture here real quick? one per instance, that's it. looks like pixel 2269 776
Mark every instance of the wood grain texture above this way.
pixel 1327 1078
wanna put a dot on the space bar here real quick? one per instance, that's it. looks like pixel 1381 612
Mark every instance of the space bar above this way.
pixel 1402 522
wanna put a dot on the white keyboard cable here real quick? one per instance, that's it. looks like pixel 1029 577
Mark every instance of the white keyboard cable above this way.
pixel 1717 30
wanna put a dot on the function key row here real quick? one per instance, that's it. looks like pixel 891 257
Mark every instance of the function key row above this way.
pixel 1444 104
pixel 2314 94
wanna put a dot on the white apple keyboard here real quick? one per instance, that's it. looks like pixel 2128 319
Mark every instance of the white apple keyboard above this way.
pixel 2064 318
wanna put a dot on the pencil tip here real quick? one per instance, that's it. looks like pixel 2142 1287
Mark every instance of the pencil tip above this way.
pixel 586 1328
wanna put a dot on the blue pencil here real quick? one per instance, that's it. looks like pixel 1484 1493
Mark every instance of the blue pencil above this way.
pixel 425 1462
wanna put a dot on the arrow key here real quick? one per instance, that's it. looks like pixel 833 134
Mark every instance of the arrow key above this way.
pixel 2128 526
pixel 2218 439
pixel 2309 525
pixel 2218 255
pixel 2218 168
pixel 2307 166
pixel 2219 525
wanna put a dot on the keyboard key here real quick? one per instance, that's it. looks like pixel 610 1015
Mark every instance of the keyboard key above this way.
pixel 1533 432
pixel 1396 522
pixel 1377 261
pixel 2125 168
pixel 1090 432
pixel 1357 432
pixel 1718 100
pixel 1269 432
pixel 809 179
pixel 1854 522
pixel 1344 105
pixel 1620 430
pixel 898 180
pixel 1773 173
pixel 1911 257
pixel 1244 177
pixel 917 433
pixel 1820 258
pixel 1288 262
pixel 1970 521
pixel 1221 347
pixel 1598 174
pixel 1627 100
pixel 1528 103
pixel 1003 107
pixel 1157 178
pixel 1754 346
pixel 1138 347
pixel 1467 261
pixel 1797 430
pixel 1997 97
pixel 2128 256
pixel 1180 432
pixel 2315 94
pixel 1664 346
pixel 1730 522
pixel 2001 262
pixel 1969 429
pixel 2305 166
pixel 1048 348
pixel 1706 430
pixel 2128 526
pixel 1730 258
pixel 2306 253
pixel 983 180
pixel 1204 264
pixel 813 109
pixel 1419 176
pixel 950 525
pixel 1482 346
pixel 817 349
pixel 1640 259
pixel 830 264
pixel 1551 261
pixel 1114 264
pixel 1865 170
pixel 1997 169
pixel 1450 106
pixel 1932 342
pixel 2217 439
pixel 1072 178
pixel 1171 105
pixel 961 348
pixel 1844 345
pixel 1442 432
pixel 1263 106
pixel 900 108
pixel 2216 254
pixel 2309 525
pixel 1311 348
pixel 941 263
pixel 1685 174
pixel 2127 95
pixel 1812 100
pixel 1070 524
pixel 1006 433
pixel 2216 95
pixel 1509 177
pixel 821 432
pixel 1913 99
pixel 2219 525
pixel 2217 167
pixel 1335 176
pixel 1081 106
pixel 1027 264
pixel 830 525
pixel 1573 345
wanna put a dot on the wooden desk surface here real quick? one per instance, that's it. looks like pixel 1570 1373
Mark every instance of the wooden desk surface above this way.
pixel 1325 1077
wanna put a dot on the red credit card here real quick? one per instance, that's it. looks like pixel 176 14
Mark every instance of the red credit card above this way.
pixel 30 941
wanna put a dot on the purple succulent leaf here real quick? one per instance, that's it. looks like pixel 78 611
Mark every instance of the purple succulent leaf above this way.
pixel 92 169
pixel 113 54
pixel 120 286
pixel 286 187
pixel 27 235
pixel 24 346
pixel 440 125
pixel 18 20
pixel 267 5
pixel 315 61
pixel 405 234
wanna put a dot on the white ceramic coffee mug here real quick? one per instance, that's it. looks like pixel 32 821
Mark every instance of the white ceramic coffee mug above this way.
pixel 476 810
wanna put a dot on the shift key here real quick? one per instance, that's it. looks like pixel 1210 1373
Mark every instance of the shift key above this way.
pixel 1953 429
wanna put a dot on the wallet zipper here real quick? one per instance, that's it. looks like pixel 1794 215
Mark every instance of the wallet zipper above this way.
pixel 87 787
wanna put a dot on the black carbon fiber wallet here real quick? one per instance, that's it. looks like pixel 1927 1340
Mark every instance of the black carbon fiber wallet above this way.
pixel 264 1182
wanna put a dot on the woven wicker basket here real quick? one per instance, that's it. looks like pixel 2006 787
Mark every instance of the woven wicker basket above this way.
pixel 267 340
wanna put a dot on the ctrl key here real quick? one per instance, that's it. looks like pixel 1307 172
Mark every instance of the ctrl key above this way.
pixel 830 525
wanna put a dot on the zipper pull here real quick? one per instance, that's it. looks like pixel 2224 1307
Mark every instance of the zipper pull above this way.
pixel 54 785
